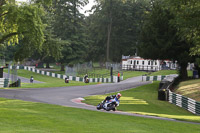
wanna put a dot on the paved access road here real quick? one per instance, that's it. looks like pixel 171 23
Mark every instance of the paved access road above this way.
pixel 68 96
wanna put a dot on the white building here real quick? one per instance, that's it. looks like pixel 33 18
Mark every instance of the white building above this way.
pixel 140 64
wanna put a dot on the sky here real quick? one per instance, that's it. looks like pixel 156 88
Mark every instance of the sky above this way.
pixel 87 7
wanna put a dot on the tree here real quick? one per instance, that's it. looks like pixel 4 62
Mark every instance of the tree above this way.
pixel 42 35
pixel 19 22
pixel 52 47
pixel 69 26
pixel 187 21
pixel 114 27
pixel 160 39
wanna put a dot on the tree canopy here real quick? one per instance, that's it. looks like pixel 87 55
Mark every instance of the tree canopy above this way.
pixel 187 21
pixel 21 21
pixel 55 30
pixel 114 28
pixel 161 40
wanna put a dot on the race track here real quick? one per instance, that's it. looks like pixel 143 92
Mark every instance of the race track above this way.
pixel 70 96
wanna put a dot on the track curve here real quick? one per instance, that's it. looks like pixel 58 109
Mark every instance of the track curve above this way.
pixel 70 96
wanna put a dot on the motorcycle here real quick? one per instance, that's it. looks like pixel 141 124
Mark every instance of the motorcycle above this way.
pixel 87 80
pixel 109 105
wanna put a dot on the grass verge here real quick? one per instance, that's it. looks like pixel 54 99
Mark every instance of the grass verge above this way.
pixel 129 74
pixel 168 72
pixel 48 81
pixel 28 117
pixel 189 88
pixel 143 100
pixel 106 73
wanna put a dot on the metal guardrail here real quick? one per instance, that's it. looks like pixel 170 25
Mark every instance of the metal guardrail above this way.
pixel 184 102
pixel 153 78
pixel 177 99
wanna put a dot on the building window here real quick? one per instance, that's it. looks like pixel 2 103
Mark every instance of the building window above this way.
pixel 142 62
pixel 155 62
pixel 131 62
pixel 137 62
pixel 148 62
pixel 134 62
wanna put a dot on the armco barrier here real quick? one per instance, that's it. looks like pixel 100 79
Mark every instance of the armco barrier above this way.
pixel 159 77
pixel 4 82
pixel 185 102
pixel 153 78
pixel 177 99
pixel 72 78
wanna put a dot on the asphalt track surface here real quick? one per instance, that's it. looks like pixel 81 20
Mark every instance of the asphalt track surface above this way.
pixel 72 96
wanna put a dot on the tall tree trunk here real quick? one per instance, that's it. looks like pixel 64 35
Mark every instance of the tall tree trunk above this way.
pixel 62 67
pixel 109 32
pixel 47 65
pixel 183 71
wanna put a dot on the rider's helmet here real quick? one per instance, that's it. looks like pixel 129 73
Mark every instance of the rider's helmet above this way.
pixel 118 95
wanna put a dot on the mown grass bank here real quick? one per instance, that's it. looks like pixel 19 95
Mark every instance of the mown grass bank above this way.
pixel 144 100
pixel 168 72
pixel 28 117
pixel 189 88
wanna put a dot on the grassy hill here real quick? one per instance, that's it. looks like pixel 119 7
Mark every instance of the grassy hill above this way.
pixel 189 88
pixel 144 100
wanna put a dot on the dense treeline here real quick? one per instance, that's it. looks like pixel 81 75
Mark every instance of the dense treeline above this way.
pixel 70 37
pixel 55 30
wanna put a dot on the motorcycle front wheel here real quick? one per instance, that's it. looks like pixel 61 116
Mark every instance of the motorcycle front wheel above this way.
pixel 99 107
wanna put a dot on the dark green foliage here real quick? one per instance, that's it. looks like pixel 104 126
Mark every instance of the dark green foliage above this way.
pixel 68 26
pixel 126 22
pixel 159 39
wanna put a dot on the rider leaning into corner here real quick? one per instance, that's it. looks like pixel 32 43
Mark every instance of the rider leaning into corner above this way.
pixel 112 97
pixel 110 102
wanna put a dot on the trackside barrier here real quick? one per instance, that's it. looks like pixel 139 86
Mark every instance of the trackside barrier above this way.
pixel 72 78
pixel 153 78
pixel 184 102
pixel 158 78
pixel 4 82
pixel 177 99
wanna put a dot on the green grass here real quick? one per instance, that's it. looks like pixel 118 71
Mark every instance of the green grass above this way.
pixel 164 72
pixel 48 81
pixel 189 88
pixel 168 72
pixel 129 74
pixel 143 100
pixel 28 117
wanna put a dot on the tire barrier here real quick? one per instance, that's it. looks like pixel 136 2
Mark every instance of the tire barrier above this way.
pixel 185 102
pixel 153 78
pixel 158 77
pixel 4 82
pixel 17 67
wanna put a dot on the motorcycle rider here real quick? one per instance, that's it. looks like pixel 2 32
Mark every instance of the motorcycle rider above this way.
pixel 112 97
pixel 85 78
pixel 110 100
